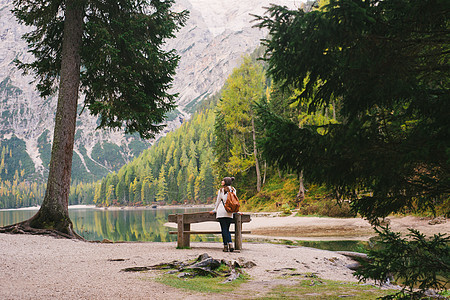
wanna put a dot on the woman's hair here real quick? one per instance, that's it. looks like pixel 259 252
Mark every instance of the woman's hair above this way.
pixel 228 180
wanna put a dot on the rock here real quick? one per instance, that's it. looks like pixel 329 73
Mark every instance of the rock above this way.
pixel 234 275
pixel 203 257
pixel 209 263
pixel 354 267
pixel 246 264
pixel 438 220
pixel 355 255
pixel 184 275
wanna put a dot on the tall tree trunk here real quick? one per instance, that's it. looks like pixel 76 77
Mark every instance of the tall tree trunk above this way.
pixel 265 172
pixel 255 153
pixel 54 212
pixel 334 109
pixel 301 190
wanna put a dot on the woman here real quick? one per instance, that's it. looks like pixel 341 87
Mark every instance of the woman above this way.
pixel 225 218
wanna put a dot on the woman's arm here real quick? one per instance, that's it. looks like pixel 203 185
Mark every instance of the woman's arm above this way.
pixel 217 203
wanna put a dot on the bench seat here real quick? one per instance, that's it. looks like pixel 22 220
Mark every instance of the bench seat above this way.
pixel 184 231
pixel 209 232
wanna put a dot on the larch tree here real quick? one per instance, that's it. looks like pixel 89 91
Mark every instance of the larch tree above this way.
pixel 235 122
pixel 161 193
pixel 388 64
pixel 113 53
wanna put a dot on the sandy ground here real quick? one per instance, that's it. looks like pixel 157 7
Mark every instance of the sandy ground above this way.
pixel 316 228
pixel 36 267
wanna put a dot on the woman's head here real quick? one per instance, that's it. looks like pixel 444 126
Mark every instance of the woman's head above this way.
pixel 227 180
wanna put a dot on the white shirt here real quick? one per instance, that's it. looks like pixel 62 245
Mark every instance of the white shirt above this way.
pixel 219 209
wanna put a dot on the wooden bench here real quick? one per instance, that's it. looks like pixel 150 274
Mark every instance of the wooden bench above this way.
pixel 184 222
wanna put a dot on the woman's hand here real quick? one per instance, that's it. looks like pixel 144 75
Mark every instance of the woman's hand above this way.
pixel 212 212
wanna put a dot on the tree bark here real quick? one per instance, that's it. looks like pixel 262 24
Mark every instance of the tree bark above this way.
pixel 255 153
pixel 301 190
pixel 53 216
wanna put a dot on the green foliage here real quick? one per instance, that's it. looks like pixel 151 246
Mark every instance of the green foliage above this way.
pixel 175 169
pixel 137 146
pixel 9 90
pixel 278 194
pixel 15 194
pixel 312 287
pixel 45 148
pixel 320 201
pixel 15 163
pixel 79 171
pixel 202 284
pixel 97 170
pixel 387 63
pixel 126 73
pixel 416 262
pixel 108 154
pixel 234 128
pixel 81 193
pixel 275 193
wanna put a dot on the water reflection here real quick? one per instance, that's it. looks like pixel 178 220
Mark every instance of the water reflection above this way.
pixel 148 225
pixel 116 225
pixel 355 246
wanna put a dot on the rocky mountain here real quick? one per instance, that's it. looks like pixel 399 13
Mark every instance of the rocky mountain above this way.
pixel 211 44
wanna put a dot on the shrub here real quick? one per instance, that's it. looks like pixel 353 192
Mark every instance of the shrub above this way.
pixel 418 263
pixel 326 207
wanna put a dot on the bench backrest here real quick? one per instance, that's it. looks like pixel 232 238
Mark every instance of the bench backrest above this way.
pixel 189 218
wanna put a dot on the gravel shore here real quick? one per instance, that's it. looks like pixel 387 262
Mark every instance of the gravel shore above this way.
pixel 38 267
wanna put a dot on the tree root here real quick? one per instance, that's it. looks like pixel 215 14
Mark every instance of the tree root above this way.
pixel 204 265
pixel 25 228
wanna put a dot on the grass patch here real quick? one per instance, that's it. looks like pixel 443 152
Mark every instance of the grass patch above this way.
pixel 202 284
pixel 316 288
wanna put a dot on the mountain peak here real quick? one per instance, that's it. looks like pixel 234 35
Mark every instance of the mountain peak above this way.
pixel 216 36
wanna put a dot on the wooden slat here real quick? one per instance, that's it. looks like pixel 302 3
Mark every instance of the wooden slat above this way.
pixel 199 217
pixel 190 218
pixel 208 232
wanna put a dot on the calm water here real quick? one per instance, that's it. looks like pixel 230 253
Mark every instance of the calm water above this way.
pixel 115 225
pixel 147 225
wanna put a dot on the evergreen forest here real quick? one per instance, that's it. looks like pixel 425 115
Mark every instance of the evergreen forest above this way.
pixel 186 166
pixel 293 138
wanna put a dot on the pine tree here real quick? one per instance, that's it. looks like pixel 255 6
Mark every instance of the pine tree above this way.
pixel 387 63
pixel 125 77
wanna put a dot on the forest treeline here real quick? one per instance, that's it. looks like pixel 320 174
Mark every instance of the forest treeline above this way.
pixel 177 169
pixel 284 139
pixel 187 164
pixel 221 139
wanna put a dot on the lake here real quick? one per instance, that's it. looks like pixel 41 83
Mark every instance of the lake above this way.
pixel 115 225
pixel 147 225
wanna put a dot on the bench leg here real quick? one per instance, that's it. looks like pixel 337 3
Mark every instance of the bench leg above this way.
pixel 186 236
pixel 238 232
pixel 183 239
pixel 180 227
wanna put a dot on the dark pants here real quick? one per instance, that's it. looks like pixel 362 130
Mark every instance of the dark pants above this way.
pixel 225 227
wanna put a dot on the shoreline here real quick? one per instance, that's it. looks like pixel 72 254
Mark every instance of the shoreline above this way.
pixel 272 226
pixel 90 206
